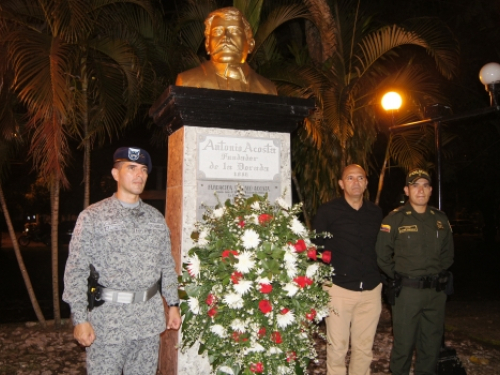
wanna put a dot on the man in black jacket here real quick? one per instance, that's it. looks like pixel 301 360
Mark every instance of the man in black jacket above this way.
pixel 355 296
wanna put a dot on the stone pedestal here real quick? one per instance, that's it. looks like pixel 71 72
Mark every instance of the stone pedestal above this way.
pixel 219 139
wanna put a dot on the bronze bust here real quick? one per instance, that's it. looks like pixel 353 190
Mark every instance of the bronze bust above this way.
pixel 228 40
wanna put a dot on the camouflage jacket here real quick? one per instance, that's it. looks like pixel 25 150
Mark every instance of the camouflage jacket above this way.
pixel 130 249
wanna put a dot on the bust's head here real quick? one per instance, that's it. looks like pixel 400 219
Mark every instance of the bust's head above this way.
pixel 228 36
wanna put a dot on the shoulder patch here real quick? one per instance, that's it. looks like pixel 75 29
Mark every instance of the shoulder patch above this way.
pixel 385 228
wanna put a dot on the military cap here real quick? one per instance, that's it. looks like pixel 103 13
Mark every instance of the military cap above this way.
pixel 415 174
pixel 133 154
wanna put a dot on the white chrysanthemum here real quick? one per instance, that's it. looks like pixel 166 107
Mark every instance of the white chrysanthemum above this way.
pixel 245 262
pixel 218 330
pixel 291 289
pixel 218 212
pixel 255 205
pixel 238 325
pixel 250 239
pixel 284 320
pixel 202 238
pixel 322 313
pixel 275 350
pixel 297 227
pixel 233 301
pixel 291 270
pixel 263 280
pixel 283 370
pixel 194 266
pixel 311 270
pixel 243 287
pixel 226 370
pixel 256 348
pixel 194 305
pixel 252 219
pixel 290 256
pixel 290 259
pixel 282 203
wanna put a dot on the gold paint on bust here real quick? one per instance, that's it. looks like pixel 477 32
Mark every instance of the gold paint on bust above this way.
pixel 228 40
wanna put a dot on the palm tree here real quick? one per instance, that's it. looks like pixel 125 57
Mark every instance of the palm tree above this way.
pixel 10 123
pixel 357 59
pixel 80 71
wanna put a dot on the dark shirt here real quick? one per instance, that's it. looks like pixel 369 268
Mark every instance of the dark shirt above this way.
pixel 354 234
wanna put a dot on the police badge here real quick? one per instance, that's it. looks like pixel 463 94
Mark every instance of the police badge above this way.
pixel 134 153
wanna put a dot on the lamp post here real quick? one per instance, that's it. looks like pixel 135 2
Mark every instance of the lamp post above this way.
pixel 490 77
pixel 390 102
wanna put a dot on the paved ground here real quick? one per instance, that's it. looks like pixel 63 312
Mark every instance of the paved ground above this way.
pixel 25 349
pixel 473 316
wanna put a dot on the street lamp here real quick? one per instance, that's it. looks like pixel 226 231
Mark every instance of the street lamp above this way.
pixel 390 102
pixel 490 77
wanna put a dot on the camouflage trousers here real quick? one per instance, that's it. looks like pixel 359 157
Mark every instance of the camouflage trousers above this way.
pixel 133 357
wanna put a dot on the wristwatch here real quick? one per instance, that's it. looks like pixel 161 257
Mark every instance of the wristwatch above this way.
pixel 174 305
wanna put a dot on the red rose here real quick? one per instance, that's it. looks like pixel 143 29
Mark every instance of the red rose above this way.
pixel 302 281
pixel 241 222
pixel 262 332
pixel 210 299
pixel 266 288
pixel 265 306
pixel 225 253
pixel 236 277
pixel 264 219
pixel 311 253
pixel 276 337
pixel 326 256
pixel 285 310
pixel 292 356
pixel 212 312
pixel 311 315
pixel 257 367
pixel 300 246
pixel 236 336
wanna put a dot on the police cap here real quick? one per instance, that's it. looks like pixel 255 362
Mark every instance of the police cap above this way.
pixel 415 174
pixel 133 154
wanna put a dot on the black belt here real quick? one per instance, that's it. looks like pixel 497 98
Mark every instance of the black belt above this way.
pixel 424 282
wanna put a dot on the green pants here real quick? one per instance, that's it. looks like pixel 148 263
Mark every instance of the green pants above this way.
pixel 418 320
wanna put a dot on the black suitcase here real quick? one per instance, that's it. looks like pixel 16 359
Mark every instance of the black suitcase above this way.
pixel 449 363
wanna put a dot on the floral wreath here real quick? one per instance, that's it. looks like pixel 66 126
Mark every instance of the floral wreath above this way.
pixel 254 288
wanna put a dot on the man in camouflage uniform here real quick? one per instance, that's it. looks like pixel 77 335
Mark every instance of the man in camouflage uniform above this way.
pixel 128 243
pixel 415 247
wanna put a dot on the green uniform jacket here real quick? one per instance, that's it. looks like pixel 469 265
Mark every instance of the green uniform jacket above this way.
pixel 414 244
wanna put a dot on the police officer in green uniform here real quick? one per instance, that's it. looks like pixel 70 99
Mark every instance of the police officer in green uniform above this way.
pixel 415 249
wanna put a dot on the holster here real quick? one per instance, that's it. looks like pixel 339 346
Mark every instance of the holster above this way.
pixel 445 282
pixel 93 289
pixel 392 288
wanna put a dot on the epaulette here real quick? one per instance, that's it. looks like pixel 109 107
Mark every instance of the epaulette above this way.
pixel 400 209
pixel 434 210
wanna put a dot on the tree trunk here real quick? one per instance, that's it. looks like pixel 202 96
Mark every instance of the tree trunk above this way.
pixel 20 261
pixel 54 203
pixel 86 140
pixel 382 171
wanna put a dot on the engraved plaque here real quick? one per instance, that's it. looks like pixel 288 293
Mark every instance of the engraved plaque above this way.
pixel 214 192
pixel 238 158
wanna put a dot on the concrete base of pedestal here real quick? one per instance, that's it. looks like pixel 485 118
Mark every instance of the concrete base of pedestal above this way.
pixel 185 181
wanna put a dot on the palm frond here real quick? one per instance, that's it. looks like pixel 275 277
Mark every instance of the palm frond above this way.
pixel 276 18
